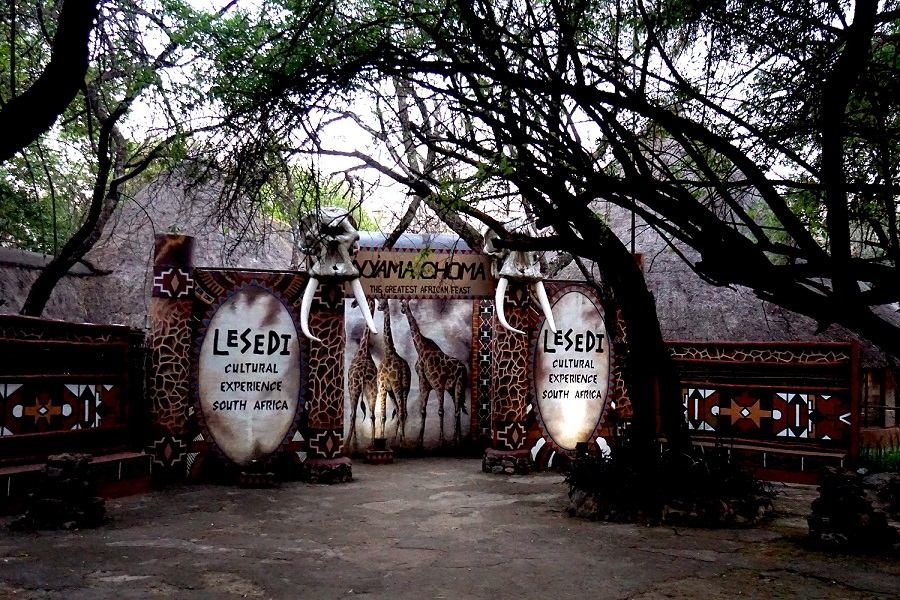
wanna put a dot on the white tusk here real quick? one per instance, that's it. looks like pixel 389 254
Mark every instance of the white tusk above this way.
pixel 499 299
pixel 541 294
pixel 305 305
pixel 360 296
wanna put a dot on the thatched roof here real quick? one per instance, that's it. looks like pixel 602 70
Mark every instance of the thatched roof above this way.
pixel 689 308
pixel 126 250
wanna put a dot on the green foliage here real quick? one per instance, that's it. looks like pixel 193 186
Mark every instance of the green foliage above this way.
pixel 23 224
pixel 61 168
pixel 880 459
pixel 288 198
pixel 30 184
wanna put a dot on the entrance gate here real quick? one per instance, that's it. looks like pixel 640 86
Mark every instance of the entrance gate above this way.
pixel 254 398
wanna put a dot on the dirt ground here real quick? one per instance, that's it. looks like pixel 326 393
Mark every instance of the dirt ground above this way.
pixel 432 528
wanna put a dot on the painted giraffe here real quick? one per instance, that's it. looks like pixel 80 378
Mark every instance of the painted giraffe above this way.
pixel 394 378
pixel 362 377
pixel 437 371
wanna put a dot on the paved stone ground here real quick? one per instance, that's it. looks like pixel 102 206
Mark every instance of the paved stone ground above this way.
pixel 435 528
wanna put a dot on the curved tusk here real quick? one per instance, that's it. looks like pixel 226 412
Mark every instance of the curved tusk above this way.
pixel 305 305
pixel 541 294
pixel 363 304
pixel 499 299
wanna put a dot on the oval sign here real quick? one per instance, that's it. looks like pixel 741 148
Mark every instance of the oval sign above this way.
pixel 249 374
pixel 571 370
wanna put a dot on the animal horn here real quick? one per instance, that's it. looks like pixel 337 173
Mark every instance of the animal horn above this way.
pixel 541 294
pixel 363 304
pixel 305 305
pixel 499 299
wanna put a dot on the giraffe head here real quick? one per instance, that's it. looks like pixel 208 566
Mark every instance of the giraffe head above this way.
pixel 518 265
pixel 404 306
pixel 331 240
pixel 371 303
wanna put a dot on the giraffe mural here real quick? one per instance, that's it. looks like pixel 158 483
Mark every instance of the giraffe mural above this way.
pixel 394 380
pixel 362 379
pixel 437 371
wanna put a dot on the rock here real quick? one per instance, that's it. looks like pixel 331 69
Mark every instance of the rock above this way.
pixel 843 519
pixel 584 505
pixel 64 498
pixel 880 481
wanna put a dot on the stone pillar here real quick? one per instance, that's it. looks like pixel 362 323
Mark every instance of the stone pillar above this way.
pixel 170 354
pixel 510 389
pixel 325 462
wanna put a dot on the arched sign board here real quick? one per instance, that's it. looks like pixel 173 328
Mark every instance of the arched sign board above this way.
pixel 248 374
pixel 571 369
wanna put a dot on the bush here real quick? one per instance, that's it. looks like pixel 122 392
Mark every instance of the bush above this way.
pixel 699 489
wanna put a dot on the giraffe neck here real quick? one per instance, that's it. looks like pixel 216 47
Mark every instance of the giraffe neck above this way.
pixel 364 342
pixel 388 333
pixel 416 334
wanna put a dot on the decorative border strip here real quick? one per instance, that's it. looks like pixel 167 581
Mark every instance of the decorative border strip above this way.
pixel 798 353
pixel 419 250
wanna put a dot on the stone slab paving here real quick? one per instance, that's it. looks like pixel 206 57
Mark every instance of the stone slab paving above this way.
pixel 431 528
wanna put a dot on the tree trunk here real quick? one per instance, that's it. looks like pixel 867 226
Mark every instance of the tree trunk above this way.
pixel 104 198
pixel 647 365
pixel 73 251
pixel 27 116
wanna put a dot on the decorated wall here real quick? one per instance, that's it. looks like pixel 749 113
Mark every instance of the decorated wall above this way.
pixel 786 410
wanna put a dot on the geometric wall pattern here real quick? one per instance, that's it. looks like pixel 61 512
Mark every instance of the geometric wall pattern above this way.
pixel 482 352
pixel 764 414
pixel 172 282
pixel 784 407
pixel 69 387
pixel 41 407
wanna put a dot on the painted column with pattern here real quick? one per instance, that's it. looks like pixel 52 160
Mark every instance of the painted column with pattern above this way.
pixel 326 462
pixel 510 389
pixel 170 350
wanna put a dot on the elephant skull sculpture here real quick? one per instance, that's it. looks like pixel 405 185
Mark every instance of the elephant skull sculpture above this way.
pixel 331 238
pixel 518 265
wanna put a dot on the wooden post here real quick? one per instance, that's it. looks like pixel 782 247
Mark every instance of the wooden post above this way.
pixel 855 413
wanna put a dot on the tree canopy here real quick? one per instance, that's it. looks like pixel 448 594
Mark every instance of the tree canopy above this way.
pixel 759 138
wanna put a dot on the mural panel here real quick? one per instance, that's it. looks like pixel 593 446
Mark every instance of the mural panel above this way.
pixel 409 384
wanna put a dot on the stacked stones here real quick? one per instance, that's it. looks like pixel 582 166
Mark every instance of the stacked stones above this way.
pixel 65 497
pixel 337 470
pixel 509 463
pixel 843 519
